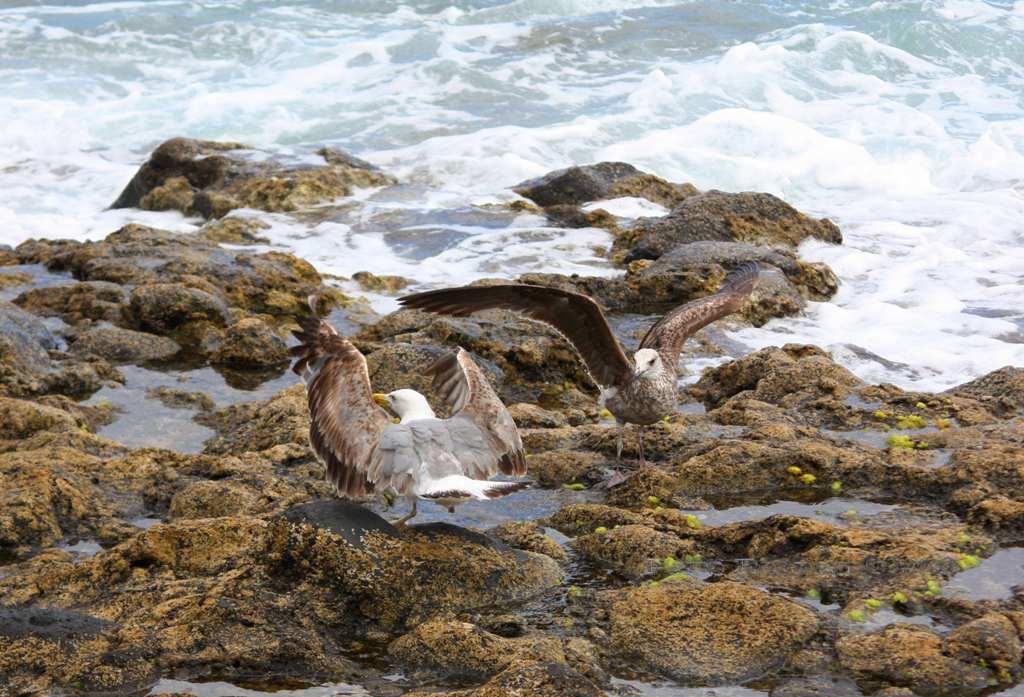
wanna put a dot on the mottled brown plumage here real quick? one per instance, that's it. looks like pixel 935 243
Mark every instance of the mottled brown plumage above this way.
pixel 422 456
pixel 640 392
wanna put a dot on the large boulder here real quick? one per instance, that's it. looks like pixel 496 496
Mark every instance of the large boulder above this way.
pixel 708 634
pixel 1002 390
pixel 212 178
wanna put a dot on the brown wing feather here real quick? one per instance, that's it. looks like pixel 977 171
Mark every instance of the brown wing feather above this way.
pixel 345 422
pixel 576 316
pixel 671 331
pixel 463 386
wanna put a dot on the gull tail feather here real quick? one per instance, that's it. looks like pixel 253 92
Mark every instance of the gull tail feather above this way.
pixel 458 486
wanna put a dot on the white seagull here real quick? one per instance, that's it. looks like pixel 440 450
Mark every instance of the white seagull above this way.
pixel 448 461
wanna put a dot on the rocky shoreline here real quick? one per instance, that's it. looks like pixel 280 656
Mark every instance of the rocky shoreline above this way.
pixel 797 530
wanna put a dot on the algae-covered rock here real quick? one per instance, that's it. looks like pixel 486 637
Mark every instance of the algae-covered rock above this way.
pixel 123 345
pixel 528 536
pixel 633 551
pixel 911 656
pixel 709 634
pixel 1002 390
pixel 452 649
pixel 750 217
pixel 250 343
pixel 390 285
pixel 164 307
pixel 530 679
pixel 604 180
pixel 88 300
pixel 399 581
pixel 254 426
pixel 211 179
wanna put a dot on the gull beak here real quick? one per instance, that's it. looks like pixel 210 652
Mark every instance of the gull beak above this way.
pixel 380 398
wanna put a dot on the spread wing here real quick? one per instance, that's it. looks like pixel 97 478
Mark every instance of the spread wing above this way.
pixel 671 331
pixel 576 316
pixel 463 386
pixel 345 422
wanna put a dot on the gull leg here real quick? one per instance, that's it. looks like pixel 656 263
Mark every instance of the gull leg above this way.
pixel 400 523
pixel 640 443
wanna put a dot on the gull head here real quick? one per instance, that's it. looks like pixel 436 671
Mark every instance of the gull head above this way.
pixel 410 405
pixel 646 361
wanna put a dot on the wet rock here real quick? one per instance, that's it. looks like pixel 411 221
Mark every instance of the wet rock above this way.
pixel 531 363
pixel 21 623
pixel 46 495
pixel 990 640
pixel 999 516
pixel 557 467
pixel 396 582
pixel 528 536
pixel 164 307
pixel 123 345
pixel 633 551
pixel 604 180
pixel 8 257
pixel 181 399
pixel 452 649
pixel 814 281
pixel 233 230
pixel 750 217
pixel 1002 390
pixel 533 416
pixel 24 345
pixel 212 499
pixel 400 365
pixel 710 634
pixel 250 343
pixel 210 179
pixel 803 379
pixel 579 518
pixel 911 656
pixel 530 679
pixel 13 279
pixel 389 285
pixel 255 426
pixel 90 300
pixel 819 686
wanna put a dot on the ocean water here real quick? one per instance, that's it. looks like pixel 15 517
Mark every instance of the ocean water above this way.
pixel 901 121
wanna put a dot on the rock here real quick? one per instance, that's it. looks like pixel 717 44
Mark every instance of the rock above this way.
pixel 710 634
pixel 799 378
pixel 533 416
pixel 554 468
pixel 211 179
pixel 633 551
pixel 394 582
pixel 580 184
pixel 530 679
pixel 213 499
pixel 756 218
pixel 8 257
pixel 529 361
pixel 250 343
pixel 164 307
pixel 21 419
pixel 1002 390
pixel 450 649
pixel 389 285
pixel 233 230
pixel 911 656
pixel 819 686
pixel 24 345
pixel 990 640
pixel 580 518
pixel 814 281
pixel 528 536
pixel 123 345
pixel 181 399
pixel 255 426
pixel 13 279
pixel 90 300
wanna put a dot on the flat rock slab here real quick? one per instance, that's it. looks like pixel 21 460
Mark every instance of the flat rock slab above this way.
pixel 346 519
